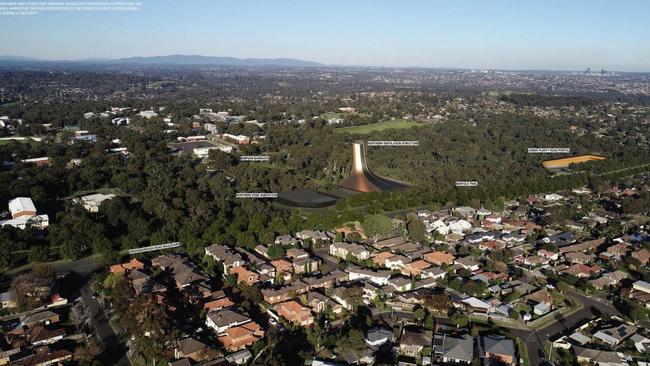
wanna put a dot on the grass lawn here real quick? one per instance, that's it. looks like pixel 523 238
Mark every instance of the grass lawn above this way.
pixel 379 126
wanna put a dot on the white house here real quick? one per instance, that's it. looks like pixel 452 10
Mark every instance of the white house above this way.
pixel 377 277
pixel 92 202
pixel 225 319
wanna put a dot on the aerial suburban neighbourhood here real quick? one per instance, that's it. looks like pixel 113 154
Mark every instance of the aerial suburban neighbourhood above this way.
pixel 325 183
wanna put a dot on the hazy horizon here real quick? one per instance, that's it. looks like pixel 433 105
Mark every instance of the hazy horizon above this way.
pixel 471 34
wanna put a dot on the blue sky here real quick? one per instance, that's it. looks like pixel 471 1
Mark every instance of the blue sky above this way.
pixel 523 34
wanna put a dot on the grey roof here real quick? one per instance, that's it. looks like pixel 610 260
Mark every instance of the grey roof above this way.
pixel 39 317
pixel 419 338
pixel 377 334
pixel 190 345
pixel 181 362
pixel 226 316
pixel 239 356
pixel 498 345
pixel 457 348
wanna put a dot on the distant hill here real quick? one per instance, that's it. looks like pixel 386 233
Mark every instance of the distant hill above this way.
pixel 177 60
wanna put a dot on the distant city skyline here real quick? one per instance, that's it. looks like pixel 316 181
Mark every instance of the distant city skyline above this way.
pixel 510 35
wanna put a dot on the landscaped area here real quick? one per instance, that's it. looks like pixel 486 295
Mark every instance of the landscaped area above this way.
pixel 379 126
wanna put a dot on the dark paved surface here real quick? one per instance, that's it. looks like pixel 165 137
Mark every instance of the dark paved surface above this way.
pixel 114 352
pixel 592 307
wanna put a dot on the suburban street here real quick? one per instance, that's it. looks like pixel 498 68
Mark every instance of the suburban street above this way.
pixel 114 352
pixel 535 339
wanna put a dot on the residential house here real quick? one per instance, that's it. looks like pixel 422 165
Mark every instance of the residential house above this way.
pixel 244 275
pixel 642 255
pixel 453 350
pixel 41 335
pixel 92 202
pixel 468 263
pixel 295 253
pixel 396 262
pixel 7 300
pixel 45 317
pixel 190 348
pixel 609 279
pixel 535 261
pixel 217 301
pixel 295 313
pixel 45 355
pixel 305 265
pixel 495 349
pixel 434 272
pixel 547 254
pixel 401 284
pixel 377 277
pixel 415 268
pixel 223 319
pixel 641 343
pixel 319 303
pixel 439 258
pixel 342 250
pixel 133 264
pixel 590 245
pixel 613 336
pixel 238 337
pixel 581 270
pixel 540 296
pixel 225 256
pixel 413 342
pixel 587 356
pixel 375 337
pixel 579 257
pixel 379 259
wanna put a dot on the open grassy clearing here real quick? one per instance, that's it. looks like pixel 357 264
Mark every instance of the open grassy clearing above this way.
pixel 379 126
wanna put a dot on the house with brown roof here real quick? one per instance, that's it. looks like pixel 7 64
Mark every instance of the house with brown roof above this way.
pixel 380 258
pixel 244 275
pixel 47 356
pixel 415 268
pixel 295 313
pixel 589 245
pixel 41 335
pixel 239 337
pixel 284 293
pixel 190 348
pixel 620 249
pixel 642 255
pixel 282 266
pixel 133 264
pixel 439 258
pixel 581 270
pixel 45 317
pixel 541 296
pixel 579 257
pixel 295 253
pixel 217 301
pixel 413 342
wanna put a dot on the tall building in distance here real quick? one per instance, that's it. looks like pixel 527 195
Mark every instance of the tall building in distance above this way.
pixel 362 179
